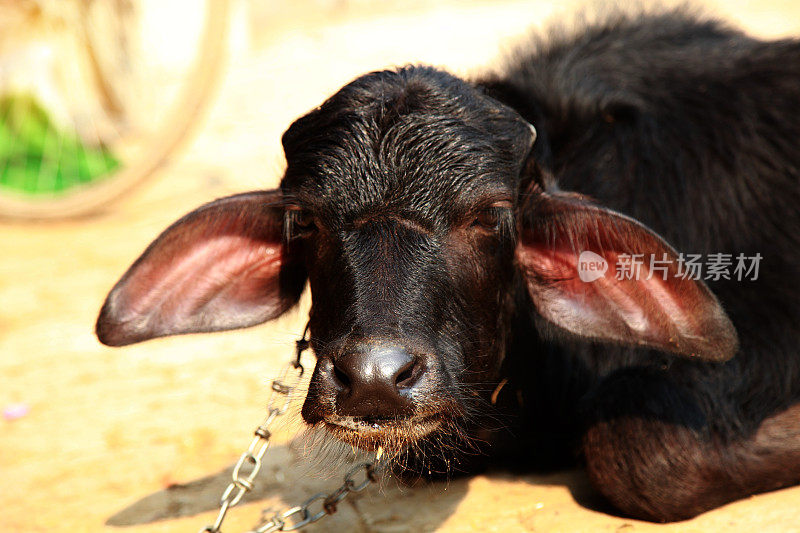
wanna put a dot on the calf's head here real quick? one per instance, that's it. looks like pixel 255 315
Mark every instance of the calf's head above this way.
pixel 413 209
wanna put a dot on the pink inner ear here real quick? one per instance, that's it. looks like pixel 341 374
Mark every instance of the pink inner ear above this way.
pixel 223 266
pixel 664 311
pixel 227 273
pixel 636 305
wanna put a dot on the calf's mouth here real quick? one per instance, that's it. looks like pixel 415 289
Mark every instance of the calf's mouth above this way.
pixel 370 433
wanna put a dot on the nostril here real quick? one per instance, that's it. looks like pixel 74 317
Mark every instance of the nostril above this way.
pixel 341 377
pixel 407 375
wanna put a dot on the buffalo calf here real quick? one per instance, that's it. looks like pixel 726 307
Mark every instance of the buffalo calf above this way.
pixel 506 268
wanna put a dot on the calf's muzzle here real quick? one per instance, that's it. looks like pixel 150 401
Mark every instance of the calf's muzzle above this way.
pixel 371 380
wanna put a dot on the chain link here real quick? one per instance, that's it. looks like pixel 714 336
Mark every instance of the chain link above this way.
pixel 249 464
pixel 279 521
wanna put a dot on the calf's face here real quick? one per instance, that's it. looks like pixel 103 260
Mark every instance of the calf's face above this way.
pixel 412 208
pixel 403 207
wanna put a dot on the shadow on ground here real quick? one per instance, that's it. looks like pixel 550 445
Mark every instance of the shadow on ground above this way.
pixel 389 506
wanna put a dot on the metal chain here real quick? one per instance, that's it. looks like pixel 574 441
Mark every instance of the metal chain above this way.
pixel 279 521
pixel 249 464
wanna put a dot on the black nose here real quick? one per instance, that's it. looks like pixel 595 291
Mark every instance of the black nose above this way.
pixel 375 380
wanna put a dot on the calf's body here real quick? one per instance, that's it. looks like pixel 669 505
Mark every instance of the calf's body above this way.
pixel 441 239
pixel 693 129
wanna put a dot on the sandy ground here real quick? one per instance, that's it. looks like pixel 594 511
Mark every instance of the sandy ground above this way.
pixel 144 437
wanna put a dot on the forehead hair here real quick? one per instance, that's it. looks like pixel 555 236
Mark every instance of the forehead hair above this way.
pixel 415 138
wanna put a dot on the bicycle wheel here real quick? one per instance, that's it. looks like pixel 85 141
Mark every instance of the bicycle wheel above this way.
pixel 95 95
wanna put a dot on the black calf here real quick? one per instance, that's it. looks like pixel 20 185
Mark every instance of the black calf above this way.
pixel 457 267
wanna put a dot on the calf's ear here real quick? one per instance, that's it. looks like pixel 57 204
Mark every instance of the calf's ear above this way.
pixel 222 266
pixel 604 299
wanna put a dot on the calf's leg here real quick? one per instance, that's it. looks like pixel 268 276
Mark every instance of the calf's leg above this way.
pixel 665 451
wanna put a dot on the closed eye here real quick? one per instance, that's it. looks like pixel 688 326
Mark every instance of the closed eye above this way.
pixel 487 218
pixel 299 223
pixel 491 217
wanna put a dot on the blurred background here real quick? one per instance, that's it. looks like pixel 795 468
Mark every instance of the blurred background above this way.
pixel 119 116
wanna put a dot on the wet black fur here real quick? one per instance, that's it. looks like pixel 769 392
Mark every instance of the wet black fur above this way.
pixel 680 122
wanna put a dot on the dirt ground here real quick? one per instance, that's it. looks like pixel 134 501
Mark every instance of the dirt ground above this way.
pixel 143 438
